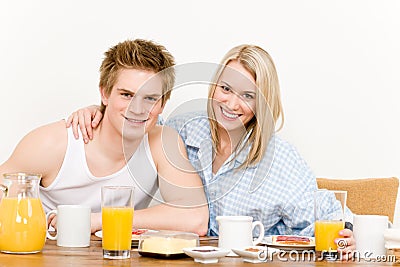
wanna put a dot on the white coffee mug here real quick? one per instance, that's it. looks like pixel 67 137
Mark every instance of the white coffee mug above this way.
pixel 73 226
pixel 237 232
pixel 368 232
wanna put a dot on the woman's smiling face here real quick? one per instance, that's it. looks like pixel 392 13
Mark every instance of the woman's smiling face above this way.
pixel 234 99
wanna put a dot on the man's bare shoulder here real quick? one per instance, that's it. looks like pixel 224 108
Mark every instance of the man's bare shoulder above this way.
pixel 47 137
pixel 49 133
pixel 167 147
pixel 40 150
pixel 160 135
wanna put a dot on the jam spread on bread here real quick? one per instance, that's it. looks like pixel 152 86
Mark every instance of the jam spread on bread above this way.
pixel 291 240
pixel 138 231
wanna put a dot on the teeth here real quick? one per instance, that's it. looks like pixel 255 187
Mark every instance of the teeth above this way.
pixel 133 120
pixel 229 115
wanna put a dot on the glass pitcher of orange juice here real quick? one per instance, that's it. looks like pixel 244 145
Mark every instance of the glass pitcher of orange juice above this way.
pixel 22 219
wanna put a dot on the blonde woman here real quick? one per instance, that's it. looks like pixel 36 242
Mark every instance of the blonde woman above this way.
pixel 246 168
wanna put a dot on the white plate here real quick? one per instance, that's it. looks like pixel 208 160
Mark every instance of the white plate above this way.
pixel 99 234
pixel 255 254
pixel 268 241
pixel 206 254
pixel 134 236
pixel 392 238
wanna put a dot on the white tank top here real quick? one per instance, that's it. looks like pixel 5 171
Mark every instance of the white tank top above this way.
pixel 75 184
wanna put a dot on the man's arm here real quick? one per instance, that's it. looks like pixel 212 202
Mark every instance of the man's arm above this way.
pixel 185 206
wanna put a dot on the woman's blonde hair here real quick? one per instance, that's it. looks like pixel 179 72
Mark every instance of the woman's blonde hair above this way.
pixel 268 101
pixel 137 54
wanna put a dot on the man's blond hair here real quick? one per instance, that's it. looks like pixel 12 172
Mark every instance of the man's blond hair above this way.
pixel 137 54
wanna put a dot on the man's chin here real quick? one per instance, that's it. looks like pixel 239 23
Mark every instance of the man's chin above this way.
pixel 133 134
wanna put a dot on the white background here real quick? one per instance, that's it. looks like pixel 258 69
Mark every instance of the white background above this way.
pixel 338 64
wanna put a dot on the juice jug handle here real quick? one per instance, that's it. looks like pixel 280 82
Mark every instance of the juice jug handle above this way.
pixel 4 189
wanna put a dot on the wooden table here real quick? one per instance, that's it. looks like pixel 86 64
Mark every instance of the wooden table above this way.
pixel 54 256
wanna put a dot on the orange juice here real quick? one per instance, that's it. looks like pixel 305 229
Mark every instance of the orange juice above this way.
pixel 22 225
pixel 325 234
pixel 117 228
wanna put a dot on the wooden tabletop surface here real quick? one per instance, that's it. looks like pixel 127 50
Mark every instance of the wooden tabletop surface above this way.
pixel 52 255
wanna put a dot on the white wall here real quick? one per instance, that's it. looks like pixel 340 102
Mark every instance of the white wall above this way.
pixel 338 63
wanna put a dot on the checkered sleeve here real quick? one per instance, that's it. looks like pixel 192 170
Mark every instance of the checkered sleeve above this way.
pixel 298 213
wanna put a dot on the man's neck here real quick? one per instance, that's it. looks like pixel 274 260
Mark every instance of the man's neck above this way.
pixel 113 144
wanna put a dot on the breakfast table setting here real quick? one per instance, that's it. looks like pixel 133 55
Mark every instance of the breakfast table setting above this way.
pixel 26 240
pixel 53 255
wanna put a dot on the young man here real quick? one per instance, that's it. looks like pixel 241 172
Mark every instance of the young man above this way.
pixel 128 148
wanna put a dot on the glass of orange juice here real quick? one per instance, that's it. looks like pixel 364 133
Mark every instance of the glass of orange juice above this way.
pixel 117 219
pixel 329 207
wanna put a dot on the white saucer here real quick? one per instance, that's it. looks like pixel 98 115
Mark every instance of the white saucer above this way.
pixel 255 254
pixel 206 254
